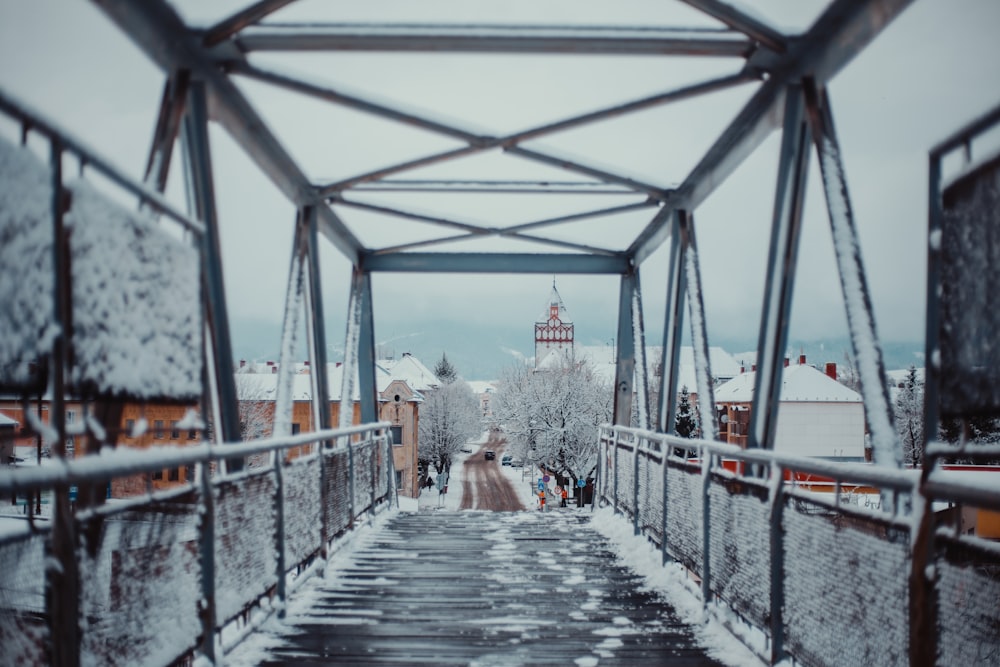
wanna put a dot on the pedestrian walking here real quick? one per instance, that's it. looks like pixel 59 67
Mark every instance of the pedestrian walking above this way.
pixel 562 495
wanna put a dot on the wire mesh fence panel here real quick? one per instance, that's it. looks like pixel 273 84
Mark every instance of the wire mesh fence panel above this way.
pixel 336 492
pixel 740 555
pixel 827 621
pixel 302 509
pixel 626 480
pixel 363 477
pixel 684 516
pixel 382 472
pixel 140 585
pixel 967 586
pixel 245 549
pixel 650 508
pixel 24 632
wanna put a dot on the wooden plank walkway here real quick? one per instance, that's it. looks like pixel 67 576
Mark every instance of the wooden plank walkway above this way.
pixel 484 589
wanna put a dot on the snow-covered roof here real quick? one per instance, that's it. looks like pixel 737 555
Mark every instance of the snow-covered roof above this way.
pixel 7 422
pixel 799 383
pixel 555 300
pixel 482 386
pixel 264 386
pixel 412 371
pixel 602 357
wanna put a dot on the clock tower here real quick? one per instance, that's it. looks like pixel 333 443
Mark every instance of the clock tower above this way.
pixel 554 329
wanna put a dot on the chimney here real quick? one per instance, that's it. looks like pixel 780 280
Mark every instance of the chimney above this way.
pixel 274 369
pixel 802 360
pixel 753 368
pixel 831 369
pixel 786 362
pixel 243 363
pixel 306 362
pixel 742 369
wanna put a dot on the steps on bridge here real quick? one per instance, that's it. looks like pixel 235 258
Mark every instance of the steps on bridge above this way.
pixel 484 589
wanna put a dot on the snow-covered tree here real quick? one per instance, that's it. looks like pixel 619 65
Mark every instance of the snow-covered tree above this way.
pixel 685 422
pixel 908 411
pixel 551 416
pixel 445 371
pixel 449 417
pixel 256 409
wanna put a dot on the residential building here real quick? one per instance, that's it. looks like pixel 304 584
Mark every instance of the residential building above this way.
pixel 817 415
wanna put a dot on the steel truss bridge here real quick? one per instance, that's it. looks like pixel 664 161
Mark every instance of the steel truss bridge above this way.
pixel 768 553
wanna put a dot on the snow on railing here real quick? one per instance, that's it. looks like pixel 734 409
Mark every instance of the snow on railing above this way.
pixel 133 318
pixel 202 555
pixel 798 556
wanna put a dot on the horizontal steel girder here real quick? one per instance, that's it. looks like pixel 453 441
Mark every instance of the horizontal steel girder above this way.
pixel 445 262
pixel 640 41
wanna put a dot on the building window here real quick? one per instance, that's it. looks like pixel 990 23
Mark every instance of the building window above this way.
pixel 129 427
pixel 399 479
pixel 175 433
pixel 158 475
pixel 158 429
pixel 175 474
pixel 397 435
pixel 193 434
pixel 295 429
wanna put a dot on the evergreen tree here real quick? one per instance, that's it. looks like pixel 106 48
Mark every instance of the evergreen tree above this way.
pixel 445 371
pixel 685 424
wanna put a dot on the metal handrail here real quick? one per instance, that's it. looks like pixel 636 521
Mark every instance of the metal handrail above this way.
pixel 111 463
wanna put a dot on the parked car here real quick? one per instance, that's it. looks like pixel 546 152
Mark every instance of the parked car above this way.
pixel 466 449
pixel 490 455
pixel 506 459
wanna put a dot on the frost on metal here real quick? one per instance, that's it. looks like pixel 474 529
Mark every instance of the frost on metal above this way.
pixel 703 371
pixel 27 325
pixel 639 345
pixel 289 334
pixel 137 323
pixel 245 556
pixel 967 589
pixel 968 312
pixel 300 489
pixel 886 449
pixel 740 555
pixel 141 586
pixel 650 503
pixel 823 617
pixel 23 630
pixel 684 516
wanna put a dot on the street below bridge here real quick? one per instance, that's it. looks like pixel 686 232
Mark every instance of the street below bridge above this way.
pixel 484 486
pixel 478 588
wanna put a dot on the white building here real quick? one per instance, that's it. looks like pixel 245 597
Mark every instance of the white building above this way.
pixel 817 415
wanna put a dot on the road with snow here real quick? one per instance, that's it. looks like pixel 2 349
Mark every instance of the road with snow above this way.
pixel 482 589
pixel 484 487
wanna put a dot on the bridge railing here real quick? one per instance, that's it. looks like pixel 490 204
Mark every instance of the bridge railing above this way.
pixel 171 572
pixel 800 550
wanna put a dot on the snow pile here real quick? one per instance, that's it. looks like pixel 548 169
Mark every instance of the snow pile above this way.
pixel 27 328
pixel 671 582
pixel 136 303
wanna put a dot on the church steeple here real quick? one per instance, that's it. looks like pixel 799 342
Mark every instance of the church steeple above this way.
pixel 554 328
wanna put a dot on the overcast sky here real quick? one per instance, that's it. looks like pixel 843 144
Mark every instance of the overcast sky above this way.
pixel 932 70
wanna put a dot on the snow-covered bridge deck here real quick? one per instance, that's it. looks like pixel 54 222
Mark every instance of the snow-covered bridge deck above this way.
pixel 480 588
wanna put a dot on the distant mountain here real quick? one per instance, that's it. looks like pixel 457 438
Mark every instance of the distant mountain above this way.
pixel 480 351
